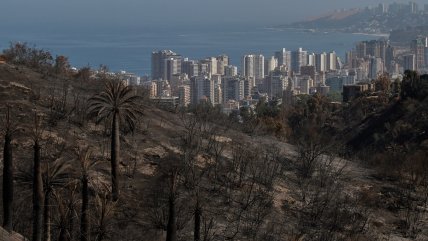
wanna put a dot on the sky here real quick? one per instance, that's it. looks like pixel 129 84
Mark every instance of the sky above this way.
pixel 39 14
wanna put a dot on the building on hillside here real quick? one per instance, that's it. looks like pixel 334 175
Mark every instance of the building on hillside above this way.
pixel 352 91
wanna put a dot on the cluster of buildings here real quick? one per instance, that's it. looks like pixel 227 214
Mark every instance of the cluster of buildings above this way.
pixel 401 8
pixel 179 81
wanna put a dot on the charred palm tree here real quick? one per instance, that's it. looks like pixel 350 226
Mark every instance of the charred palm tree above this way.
pixel 104 212
pixel 55 176
pixel 118 104
pixel 86 164
pixel 37 183
pixel 8 173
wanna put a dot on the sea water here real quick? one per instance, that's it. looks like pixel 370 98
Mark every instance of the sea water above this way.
pixel 130 49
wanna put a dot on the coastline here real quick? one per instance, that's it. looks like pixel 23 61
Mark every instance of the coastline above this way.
pixel 373 34
pixel 326 31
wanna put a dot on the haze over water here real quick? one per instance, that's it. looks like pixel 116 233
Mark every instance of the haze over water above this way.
pixel 130 48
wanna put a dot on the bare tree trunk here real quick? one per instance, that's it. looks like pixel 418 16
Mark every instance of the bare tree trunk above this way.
pixel 61 235
pixel 115 150
pixel 198 213
pixel 171 231
pixel 37 195
pixel 7 183
pixel 84 220
pixel 47 218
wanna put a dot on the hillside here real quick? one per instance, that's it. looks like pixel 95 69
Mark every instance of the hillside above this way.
pixel 366 20
pixel 244 187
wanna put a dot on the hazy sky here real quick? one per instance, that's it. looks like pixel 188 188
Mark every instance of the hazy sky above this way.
pixel 98 13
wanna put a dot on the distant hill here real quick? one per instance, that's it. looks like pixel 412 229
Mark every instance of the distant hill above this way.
pixel 365 20
pixel 408 34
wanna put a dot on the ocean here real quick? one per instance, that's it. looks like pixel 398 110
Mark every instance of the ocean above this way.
pixel 130 49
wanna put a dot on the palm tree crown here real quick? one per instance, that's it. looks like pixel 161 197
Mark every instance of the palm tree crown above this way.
pixel 117 98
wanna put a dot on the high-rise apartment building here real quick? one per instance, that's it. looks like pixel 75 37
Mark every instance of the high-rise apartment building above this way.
pixel 233 88
pixel 230 70
pixel 184 95
pixel 390 59
pixel 361 49
pixel 161 68
pixel 276 83
pixel 172 66
pixel 331 61
pixel 413 7
pixel 201 89
pixel 417 47
pixel 375 67
pixel 284 57
pixel 190 67
pixel 270 65
pixel 222 61
pixel 247 66
pixel 253 66
pixel 259 67
pixel 299 58
pixel 211 63
pixel 321 62
pixel 311 59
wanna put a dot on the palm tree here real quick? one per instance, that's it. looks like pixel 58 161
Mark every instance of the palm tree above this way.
pixel 104 211
pixel 118 104
pixel 8 174
pixel 55 176
pixel 86 164
pixel 37 184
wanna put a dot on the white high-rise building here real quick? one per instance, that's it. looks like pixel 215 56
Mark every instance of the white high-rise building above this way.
pixel 247 66
pixel 321 62
pixel 311 59
pixel 253 66
pixel 259 67
pixel 222 61
pixel 331 61
pixel 284 57
pixel 270 65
